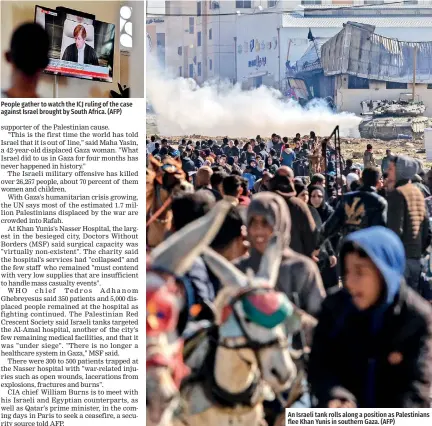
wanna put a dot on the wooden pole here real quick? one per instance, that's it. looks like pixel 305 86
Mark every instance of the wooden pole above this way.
pixel 414 73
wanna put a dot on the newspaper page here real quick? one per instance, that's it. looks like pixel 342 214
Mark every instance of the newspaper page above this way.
pixel 72 217
pixel 70 270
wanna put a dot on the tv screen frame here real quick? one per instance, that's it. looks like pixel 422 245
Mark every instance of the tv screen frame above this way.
pixel 67 11
pixel 62 13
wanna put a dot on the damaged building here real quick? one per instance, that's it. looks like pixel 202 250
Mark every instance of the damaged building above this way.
pixel 358 65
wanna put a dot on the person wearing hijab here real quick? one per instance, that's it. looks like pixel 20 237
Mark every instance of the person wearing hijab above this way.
pixel 372 347
pixel 301 191
pixel 234 167
pixel 321 211
pixel 248 154
pixel 253 169
pixel 271 165
pixel 317 200
pixel 275 158
pixel 268 213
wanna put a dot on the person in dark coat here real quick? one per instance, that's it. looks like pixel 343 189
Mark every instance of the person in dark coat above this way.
pixel 321 211
pixel 359 209
pixel 303 232
pixel 80 51
pixel 216 180
pixel 248 154
pixel 187 164
pixel 372 347
pixel 409 218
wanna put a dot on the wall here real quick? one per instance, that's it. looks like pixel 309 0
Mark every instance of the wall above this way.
pixel 257 37
pixel 225 28
pixel 125 69
pixel 15 13
pixel 177 35
pixel 349 99
pixel 203 53
pixel 136 72
pixel 299 42
pixel 224 31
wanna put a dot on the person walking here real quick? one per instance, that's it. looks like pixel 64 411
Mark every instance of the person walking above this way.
pixel 304 232
pixel 268 213
pixel 372 347
pixel 327 260
pixel 409 218
pixel 357 210
pixel 386 161
pixel 368 157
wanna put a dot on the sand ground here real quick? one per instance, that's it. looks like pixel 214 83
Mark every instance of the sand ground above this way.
pixel 351 147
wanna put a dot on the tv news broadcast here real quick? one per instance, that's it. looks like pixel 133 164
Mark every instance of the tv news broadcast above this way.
pixel 79 47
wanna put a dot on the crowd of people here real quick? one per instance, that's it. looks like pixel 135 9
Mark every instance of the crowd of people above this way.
pixel 358 198
pixel 357 240
pixel 356 254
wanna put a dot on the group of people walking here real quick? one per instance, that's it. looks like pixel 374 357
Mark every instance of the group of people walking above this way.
pixel 355 257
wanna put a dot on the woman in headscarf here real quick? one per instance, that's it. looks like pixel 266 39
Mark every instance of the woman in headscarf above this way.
pixel 261 166
pixel 248 154
pixel 317 200
pixel 268 213
pixel 301 191
pixel 253 169
pixel 321 211
pixel 271 165
pixel 298 276
pixel 234 167
pixel 275 158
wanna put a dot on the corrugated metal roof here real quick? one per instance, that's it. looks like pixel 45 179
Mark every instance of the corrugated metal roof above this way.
pixel 296 21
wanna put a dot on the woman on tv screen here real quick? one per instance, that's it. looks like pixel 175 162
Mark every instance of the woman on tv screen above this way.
pixel 80 52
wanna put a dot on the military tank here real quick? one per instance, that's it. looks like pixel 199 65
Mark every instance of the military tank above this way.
pixel 387 120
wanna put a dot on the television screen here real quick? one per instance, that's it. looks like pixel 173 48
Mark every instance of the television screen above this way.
pixel 80 47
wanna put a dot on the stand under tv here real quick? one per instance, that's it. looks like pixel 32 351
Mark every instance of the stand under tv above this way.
pixel 55 86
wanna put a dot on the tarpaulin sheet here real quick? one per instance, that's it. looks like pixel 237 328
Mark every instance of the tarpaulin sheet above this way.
pixel 357 50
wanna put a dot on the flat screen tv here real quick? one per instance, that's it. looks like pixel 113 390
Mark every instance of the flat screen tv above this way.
pixel 80 47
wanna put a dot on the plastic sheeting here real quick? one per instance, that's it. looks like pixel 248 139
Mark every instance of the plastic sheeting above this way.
pixel 357 50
